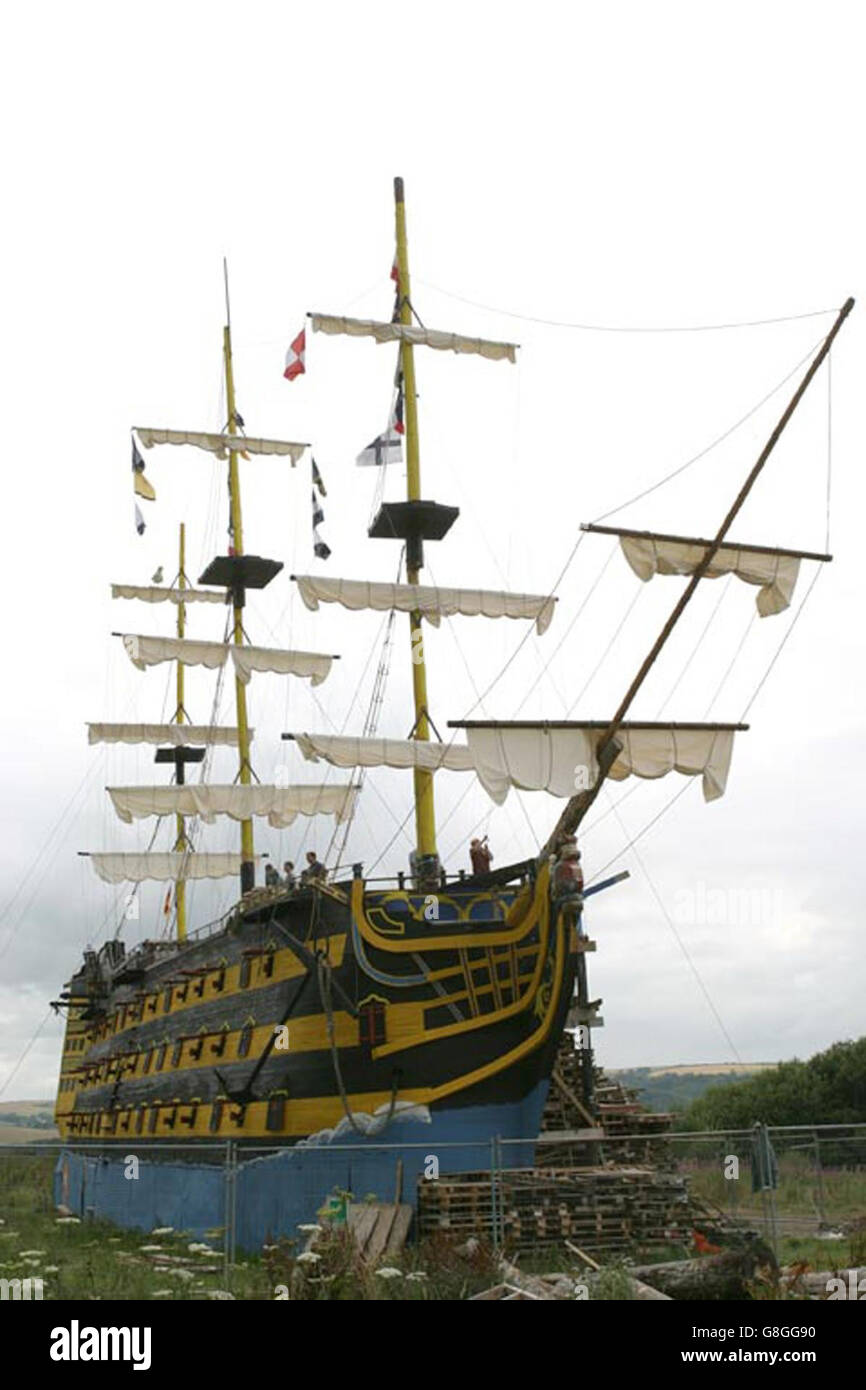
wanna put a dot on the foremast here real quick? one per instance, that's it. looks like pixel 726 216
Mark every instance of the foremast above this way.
pixel 425 811
pixel 236 531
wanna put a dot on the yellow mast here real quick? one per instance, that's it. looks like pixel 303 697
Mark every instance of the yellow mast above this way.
pixel 425 815
pixel 248 868
pixel 180 843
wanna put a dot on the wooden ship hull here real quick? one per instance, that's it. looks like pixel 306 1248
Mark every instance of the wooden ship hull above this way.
pixel 326 1005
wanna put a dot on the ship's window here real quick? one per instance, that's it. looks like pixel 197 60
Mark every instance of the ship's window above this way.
pixel 216 1115
pixel 139 1122
pixel 195 1048
pixel 190 1118
pixel 166 998
pixel 268 965
pixel 177 1052
pixel 125 1120
pixel 171 1117
pixel 148 1060
pixel 218 1046
pixel 371 1023
pixel 152 1120
pixel 152 1003
pixel 239 1114
pixel 183 991
pixel 198 987
pixel 111 1122
pixel 246 970
pixel 160 1057
pixel 276 1112
pixel 121 1016
pixel 245 1039
pixel 220 979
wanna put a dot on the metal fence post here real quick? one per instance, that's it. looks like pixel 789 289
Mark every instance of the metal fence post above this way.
pixel 493 1220
pixel 819 1174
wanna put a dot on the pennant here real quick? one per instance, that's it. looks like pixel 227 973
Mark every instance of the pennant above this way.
pixel 395 276
pixel 141 486
pixel 296 356
pixel 317 479
pixel 139 520
pixel 385 448
pixel 395 271
pixel 320 548
pixel 166 907
pixel 396 422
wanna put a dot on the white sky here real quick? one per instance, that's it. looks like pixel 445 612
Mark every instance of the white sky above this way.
pixel 633 166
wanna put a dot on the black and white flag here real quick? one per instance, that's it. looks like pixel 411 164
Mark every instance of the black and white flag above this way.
pixel 386 448
pixel 320 547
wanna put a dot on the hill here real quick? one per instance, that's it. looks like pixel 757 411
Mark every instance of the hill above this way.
pixel 673 1089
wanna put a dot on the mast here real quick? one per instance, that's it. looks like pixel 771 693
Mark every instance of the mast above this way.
pixel 248 868
pixel 180 843
pixel 607 750
pixel 425 815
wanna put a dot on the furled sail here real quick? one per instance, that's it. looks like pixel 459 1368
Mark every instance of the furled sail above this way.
pixel 281 805
pixel 220 444
pixel 150 651
pixel 433 603
pixel 179 735
pixel 137 868
pixel 774 571
pixel 151 593
pixel 342 751
pixel 561 759
pixel 412 333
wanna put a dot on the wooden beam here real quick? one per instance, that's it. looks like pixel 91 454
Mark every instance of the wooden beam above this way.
pixel 582 724
pixel 698 540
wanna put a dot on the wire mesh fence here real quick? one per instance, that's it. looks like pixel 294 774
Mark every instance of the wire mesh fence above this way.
pixel 200 1215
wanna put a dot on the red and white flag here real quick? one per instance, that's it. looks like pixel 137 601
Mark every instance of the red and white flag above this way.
pixel 296 356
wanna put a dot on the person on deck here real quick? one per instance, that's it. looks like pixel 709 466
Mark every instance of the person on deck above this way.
pixel 480 855
pixel 272 878
pixel 315 871
pixel 568 874
pixel 289 880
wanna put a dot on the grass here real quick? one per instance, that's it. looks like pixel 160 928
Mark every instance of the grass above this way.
pixel 94 1260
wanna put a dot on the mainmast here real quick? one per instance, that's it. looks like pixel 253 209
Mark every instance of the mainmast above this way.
pixel 248 867
pixel 425 814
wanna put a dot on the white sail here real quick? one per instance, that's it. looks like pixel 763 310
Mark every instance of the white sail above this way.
pixel 562 761
pixel 776 574
pixel 412 333
pixel 432 602
pixel 137 868
pixel 281 805
pixel 313 666
pixel 152 593
pixel 220 444
pixel 179 735
pixel 343 751
pixel 150 651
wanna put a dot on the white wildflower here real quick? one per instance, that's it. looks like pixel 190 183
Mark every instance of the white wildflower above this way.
pixel 389 1272
pixel 308 1257
pixel 416 1276
pixel 220 1293
pixel 67 1220
pixel 309 1227
pixel 52 1269
pixel 162 1230
pixel 32 1252
pixel 34 1263
pixel 162 1293
pixel 179 1273
pixel 197 1248
pixel 149 1249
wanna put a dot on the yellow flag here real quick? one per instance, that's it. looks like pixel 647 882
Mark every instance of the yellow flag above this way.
pixel 143 487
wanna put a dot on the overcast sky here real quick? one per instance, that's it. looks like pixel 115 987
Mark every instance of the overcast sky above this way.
pixel 626 167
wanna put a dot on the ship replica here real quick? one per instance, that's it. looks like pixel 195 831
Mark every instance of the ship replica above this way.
pixel 427 1009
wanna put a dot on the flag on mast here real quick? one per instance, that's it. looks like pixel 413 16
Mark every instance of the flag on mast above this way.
pixel 385 448
pixel 321 549
pixel 141 486
pixel 396 421
pixel 317 479
pixel 296 356
pixel 139 520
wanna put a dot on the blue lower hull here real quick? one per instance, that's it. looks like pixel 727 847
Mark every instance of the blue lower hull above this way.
pixel 273 1194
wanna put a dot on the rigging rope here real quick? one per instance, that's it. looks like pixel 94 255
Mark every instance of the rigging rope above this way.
pixel 621 328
